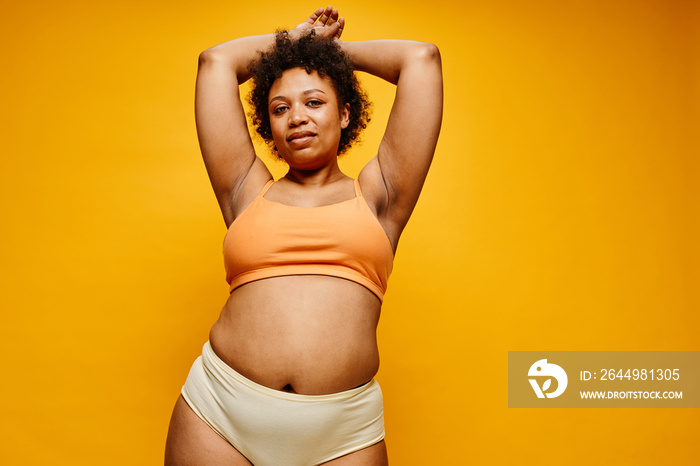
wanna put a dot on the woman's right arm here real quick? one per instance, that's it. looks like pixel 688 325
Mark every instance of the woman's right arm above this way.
pixel 222 129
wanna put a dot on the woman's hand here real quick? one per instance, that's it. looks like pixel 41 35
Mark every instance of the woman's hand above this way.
pixel 323 22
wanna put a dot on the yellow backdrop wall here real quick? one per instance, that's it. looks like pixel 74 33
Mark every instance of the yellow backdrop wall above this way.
pixel 560 214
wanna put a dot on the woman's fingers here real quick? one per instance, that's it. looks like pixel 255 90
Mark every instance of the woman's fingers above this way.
pixel 341 26
pixel 325 22
pixel 327 12
pixel 314 16
pixel 333 18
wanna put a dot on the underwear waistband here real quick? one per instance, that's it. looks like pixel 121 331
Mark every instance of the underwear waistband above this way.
pixel 212 361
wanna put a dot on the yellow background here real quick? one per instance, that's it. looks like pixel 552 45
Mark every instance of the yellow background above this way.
pixel 561 213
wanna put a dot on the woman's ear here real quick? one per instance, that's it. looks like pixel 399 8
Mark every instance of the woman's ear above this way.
pixel 345 116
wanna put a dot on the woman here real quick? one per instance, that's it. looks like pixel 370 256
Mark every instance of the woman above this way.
pixel 287 375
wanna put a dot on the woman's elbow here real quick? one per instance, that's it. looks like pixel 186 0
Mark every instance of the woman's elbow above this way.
pixel 427 52
pixel 208 57
pixel 216 56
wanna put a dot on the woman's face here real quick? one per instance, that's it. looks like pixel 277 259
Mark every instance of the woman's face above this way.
pixel 304 118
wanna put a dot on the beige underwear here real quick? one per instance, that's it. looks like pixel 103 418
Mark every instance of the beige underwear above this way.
pixel 276 428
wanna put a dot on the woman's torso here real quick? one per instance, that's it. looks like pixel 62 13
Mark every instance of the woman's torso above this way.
pixel 311 334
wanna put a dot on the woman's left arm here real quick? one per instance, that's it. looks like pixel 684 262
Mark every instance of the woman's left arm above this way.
pixel 398 171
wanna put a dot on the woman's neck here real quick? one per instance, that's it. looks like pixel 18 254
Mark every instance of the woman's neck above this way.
pixel 316 177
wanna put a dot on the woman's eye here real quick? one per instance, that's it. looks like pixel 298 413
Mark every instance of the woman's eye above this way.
pixel 314 103
pixel 279 109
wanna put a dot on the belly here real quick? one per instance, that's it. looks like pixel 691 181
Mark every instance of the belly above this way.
pixel 309 334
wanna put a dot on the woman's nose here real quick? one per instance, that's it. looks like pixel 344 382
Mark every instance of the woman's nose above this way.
pixel 298 115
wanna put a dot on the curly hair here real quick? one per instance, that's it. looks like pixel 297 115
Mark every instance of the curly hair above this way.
pixel 314 54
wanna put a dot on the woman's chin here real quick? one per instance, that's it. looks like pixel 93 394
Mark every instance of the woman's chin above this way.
pixel 307 160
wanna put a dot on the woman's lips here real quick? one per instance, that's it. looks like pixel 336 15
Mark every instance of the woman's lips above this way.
pixel 300 138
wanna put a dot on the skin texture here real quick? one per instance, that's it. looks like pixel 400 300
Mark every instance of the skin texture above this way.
pixel 308 334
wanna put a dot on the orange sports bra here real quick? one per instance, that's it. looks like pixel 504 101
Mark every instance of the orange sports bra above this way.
pixel 344 240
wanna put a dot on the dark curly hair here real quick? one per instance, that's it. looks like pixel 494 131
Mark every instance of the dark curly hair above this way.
pixel 314 54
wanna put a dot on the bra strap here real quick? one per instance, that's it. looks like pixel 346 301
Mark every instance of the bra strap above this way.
pixel 358 193
pixel 266 187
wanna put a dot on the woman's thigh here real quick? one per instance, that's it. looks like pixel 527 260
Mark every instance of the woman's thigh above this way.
pixel 370 456
pixel 192 442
